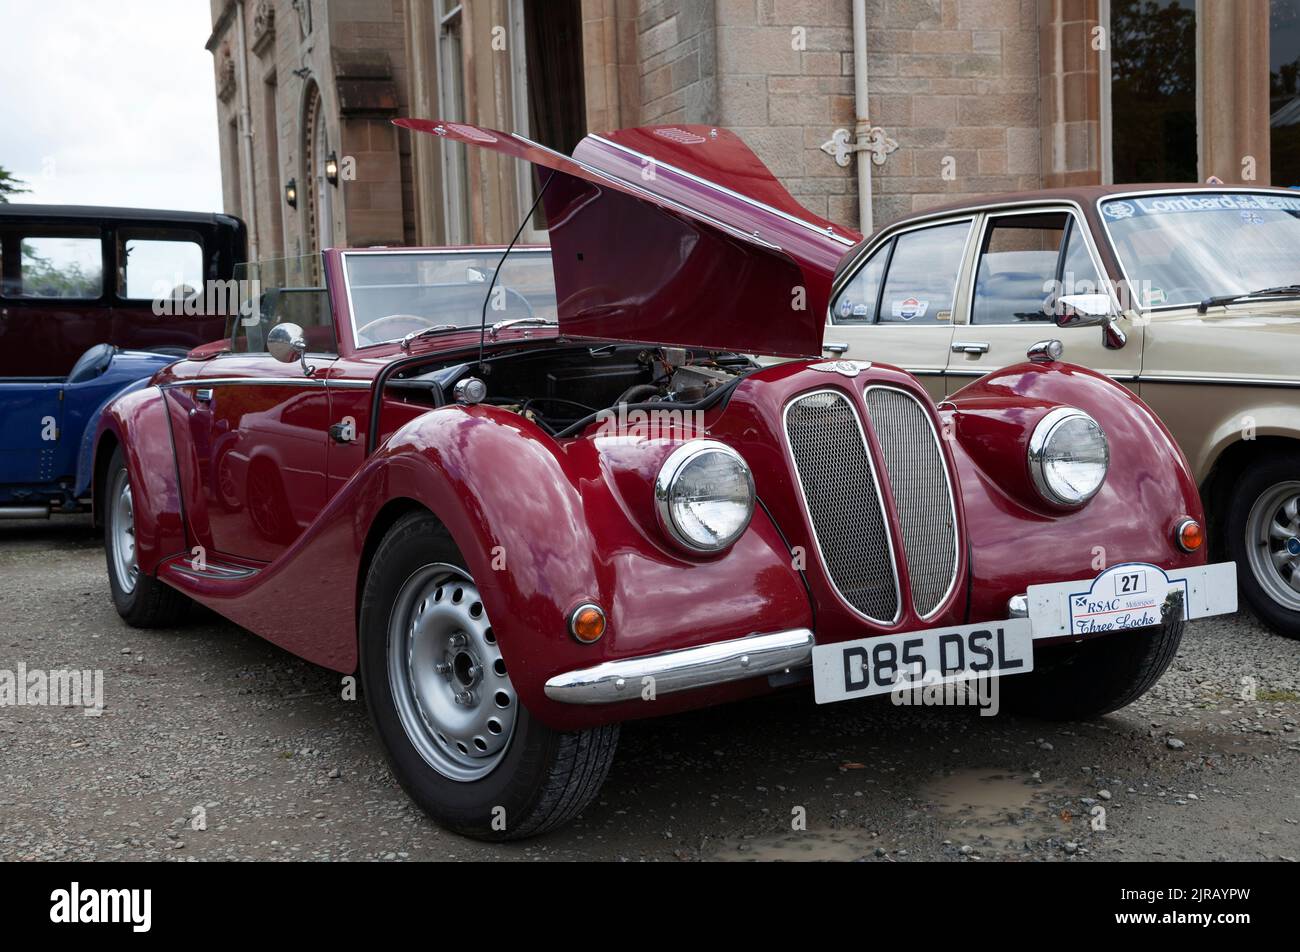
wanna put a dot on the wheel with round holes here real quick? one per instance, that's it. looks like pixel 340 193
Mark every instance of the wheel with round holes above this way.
pixel 439 694
pixel 142 600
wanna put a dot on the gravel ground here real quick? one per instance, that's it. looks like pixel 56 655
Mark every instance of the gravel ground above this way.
pixel 211 722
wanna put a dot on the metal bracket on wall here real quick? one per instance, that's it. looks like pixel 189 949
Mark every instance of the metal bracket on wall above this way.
pixel 841 146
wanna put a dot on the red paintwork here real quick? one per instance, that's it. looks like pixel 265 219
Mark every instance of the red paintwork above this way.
pixel 702 167
pixel 574 517
pixel 633 267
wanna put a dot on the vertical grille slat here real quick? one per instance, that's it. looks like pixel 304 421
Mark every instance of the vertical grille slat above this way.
pixel 914 464
pixel 839 487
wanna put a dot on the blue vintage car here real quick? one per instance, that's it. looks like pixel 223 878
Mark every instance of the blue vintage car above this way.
pixel 92 304
pixel 47 428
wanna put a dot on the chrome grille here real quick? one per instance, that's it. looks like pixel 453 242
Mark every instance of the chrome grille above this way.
pixel 913 461
pixel 843 500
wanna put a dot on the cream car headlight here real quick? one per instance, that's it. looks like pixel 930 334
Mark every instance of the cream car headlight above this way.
pixel 1068 457
pixel 704 496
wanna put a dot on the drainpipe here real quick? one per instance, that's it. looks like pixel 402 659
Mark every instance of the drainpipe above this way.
pixel 862 130
pixel 246 135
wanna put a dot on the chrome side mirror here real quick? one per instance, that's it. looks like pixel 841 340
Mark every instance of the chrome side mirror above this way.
pixel 1091 310
pixel 287 343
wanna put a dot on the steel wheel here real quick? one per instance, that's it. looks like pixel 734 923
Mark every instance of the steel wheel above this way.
pixel 448 679
pixel 1273 542
pixel 122 533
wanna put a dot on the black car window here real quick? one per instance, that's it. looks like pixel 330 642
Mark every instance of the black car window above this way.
pixel 55 262
pixel 922 280
pixel 857 300
pixel 1017 271
pixel 158 263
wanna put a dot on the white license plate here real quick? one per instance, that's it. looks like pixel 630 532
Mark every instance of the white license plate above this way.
pixel 878 665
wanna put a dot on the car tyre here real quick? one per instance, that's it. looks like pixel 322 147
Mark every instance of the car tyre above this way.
pixel 1261 526
pixel 420 612
pixel 1090 679
pixel 142 600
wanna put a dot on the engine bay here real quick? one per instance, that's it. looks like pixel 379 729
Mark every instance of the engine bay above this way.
pixel 561 388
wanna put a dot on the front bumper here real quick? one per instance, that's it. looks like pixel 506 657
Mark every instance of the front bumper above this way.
pixel 1057 611
pixel 684 670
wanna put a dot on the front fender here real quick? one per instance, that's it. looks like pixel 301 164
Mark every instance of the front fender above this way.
pixel 543 527
pixel 138 422
pixel 90 438
pixel 1018 540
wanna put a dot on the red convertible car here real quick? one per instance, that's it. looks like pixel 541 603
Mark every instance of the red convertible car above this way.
pixel 529 494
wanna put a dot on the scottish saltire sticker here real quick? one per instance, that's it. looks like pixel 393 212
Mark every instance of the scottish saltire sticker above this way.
pixel 1126 596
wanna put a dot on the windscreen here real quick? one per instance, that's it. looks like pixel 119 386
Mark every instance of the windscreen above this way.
pixel 395 293
pixel 1180 249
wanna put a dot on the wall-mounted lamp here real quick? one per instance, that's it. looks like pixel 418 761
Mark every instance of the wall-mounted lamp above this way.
pixel 332 169
pixel 291 193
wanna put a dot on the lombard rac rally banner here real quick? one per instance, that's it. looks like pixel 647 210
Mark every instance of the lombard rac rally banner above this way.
pixel 1120 209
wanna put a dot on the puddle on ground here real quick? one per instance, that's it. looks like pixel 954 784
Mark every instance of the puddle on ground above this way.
pixel 994 808
pixel 809 846
pixel 991 811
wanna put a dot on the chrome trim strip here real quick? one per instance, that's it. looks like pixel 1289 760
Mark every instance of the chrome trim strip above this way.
pixel 880 499
pixel 217 573
pixel 685 669
pixel 948 476
pixel 206 382
pixel 1119 378
pixel 1219 381
pixel 794 219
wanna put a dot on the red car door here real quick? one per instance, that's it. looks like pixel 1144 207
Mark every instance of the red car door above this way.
pixel 260 428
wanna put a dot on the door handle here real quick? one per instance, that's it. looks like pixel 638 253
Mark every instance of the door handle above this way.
pixel 204 395
pixel 969 347
pixel 835 348
pixel 342 432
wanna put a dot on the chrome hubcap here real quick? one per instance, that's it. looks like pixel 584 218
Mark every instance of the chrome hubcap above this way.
pixel 122 534
pixel 1273 543
pixel 448 679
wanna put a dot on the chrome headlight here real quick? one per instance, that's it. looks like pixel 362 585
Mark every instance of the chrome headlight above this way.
pixel 1068 457
pixel 704 496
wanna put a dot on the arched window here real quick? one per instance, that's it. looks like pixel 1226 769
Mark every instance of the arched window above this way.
pixel 319 207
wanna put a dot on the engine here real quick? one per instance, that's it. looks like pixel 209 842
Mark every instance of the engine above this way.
pixel 561 388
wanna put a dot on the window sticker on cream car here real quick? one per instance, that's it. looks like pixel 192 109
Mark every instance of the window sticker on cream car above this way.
pixel 1216 202
pixel 910 308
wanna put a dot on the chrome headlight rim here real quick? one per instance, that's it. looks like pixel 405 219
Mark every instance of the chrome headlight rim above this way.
pixel 1041 439
pixel 673 465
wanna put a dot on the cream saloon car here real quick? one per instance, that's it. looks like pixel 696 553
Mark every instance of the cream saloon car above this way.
pixel 1188 295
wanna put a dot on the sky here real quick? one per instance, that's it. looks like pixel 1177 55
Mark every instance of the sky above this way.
pixel 110 102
